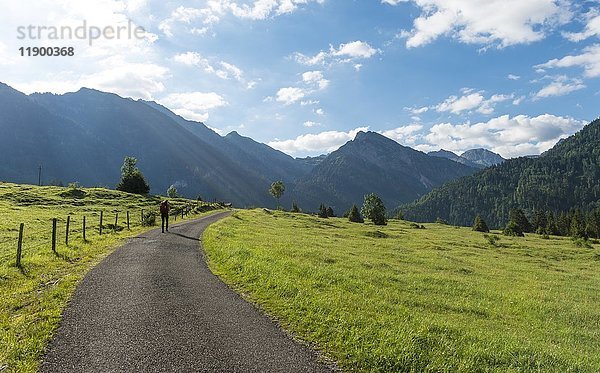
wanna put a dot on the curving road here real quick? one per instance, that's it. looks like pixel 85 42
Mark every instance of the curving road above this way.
pixel 154 306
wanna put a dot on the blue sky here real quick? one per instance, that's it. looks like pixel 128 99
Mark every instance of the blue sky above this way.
pixel 304 76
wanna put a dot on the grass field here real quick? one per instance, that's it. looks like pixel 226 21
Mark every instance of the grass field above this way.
pixel 396 298
pixel 34 295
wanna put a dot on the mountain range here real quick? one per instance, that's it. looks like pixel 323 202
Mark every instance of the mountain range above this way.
pixel 478 158
pixel 562 178
pixel 83 136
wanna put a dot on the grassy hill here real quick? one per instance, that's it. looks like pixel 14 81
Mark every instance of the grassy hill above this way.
pixel 398 298
pixel 34 295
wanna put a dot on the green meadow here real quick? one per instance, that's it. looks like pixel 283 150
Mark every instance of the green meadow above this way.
pixel 398 298
pixel 34 294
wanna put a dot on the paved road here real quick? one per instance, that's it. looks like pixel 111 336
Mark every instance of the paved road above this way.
pixel 154 306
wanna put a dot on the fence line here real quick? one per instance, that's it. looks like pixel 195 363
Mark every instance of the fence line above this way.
pixel 73 225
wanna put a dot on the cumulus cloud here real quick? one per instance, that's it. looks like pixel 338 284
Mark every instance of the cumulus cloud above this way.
pixel 102 65
pixel 470 101
pixel 313 81
pixel 589 60
pixel 193 105
pixel 592 27
pixel 221 69
pixel 324 142
pixel 510 137
pixel 355 49
pixel 344 53
pixel 289 95
pixel 494 22
pixel 199 20
pixel 560 86
pixel 407 135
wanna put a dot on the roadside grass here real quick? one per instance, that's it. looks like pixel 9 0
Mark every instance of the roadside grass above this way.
pixel 396 298
pixel 34 295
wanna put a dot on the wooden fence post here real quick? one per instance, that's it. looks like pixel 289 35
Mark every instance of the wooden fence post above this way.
pixel 20 245
pixel 54 235
pixel 84 228
pixel 101 215
pixel 142 216
pixel 128 220
pixel 116 220
pixel 67 231
pixel 182 212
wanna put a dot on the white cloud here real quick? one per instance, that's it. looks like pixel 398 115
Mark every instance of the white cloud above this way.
pixel 224 71
pixel 355 49
pixel 344 53
pixel 589 60
pixel 323 142
pixel 136 80
pixel 407 135
pixel 592 27
pixel 216 10
pixel 470 101
pixel 417 111
pixel 289 95
pixel 315 78
pixel 319 111
pixel 394 2
pixel 313 81
pixel 193 105
pixel 318 59
pixel 560 86
pixel 491 22
pixel 510 137
pixel 99 64
pixel 513 77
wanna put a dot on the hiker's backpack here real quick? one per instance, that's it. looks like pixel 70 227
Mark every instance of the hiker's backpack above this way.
pixel 164 207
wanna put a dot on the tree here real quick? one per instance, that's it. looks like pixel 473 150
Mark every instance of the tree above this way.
pixel 518 216
pixel 479 225
pixel 517 224
pixel 295 207
pixel 329 212
pixel 323 211
pixel 277 189
pixel 172 192
pixel 577 228
pixel 374 209
pixel 132 180
pixel 354 215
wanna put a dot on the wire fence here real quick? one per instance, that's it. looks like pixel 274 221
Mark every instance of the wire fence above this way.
pixel 61 231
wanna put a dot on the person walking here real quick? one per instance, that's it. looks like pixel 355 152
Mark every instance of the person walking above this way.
pixel 165 207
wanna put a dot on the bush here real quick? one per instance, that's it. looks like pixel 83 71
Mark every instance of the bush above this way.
pixel 513 229
pixel 479 225
pixel 441 221
pixel 492 239
pixel 149 219
pixel 354 215
pixel 295 207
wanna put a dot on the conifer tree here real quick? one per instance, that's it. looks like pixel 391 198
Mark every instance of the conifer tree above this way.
pixel 479 225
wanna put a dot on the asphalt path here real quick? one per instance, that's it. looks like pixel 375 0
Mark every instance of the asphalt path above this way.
pixel 154 306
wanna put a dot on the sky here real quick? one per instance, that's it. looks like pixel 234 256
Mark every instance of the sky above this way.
pixel 304 76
